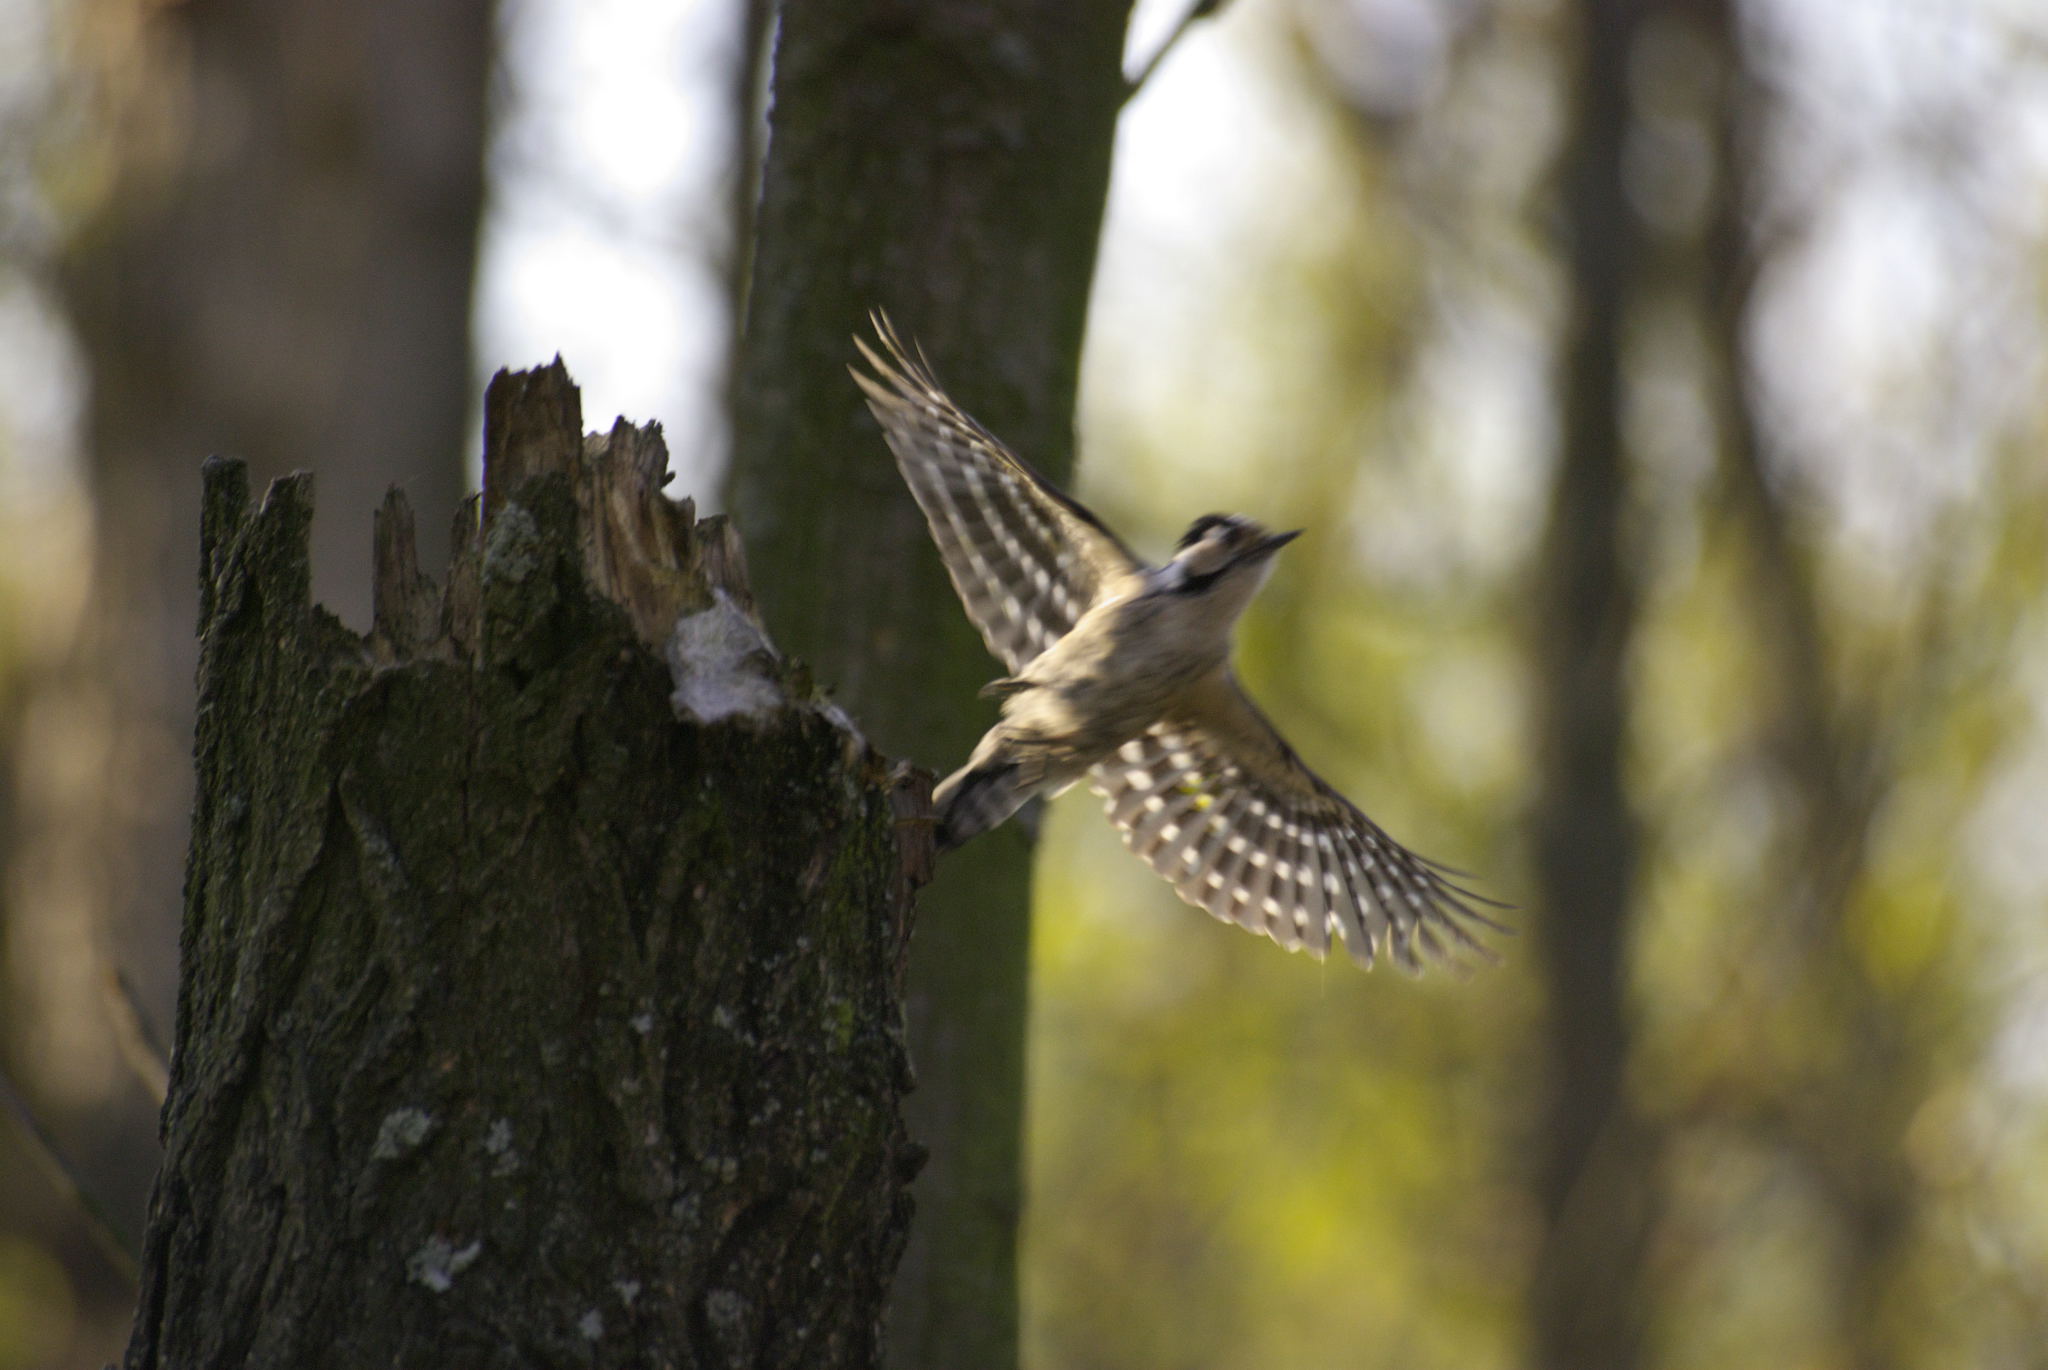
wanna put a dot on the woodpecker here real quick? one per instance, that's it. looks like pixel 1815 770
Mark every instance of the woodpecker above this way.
pixel 1119 672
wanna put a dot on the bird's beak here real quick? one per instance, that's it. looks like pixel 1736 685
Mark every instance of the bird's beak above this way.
pixel 1277 541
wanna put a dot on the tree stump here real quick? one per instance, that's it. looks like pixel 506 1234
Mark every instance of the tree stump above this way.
pixel 540 1001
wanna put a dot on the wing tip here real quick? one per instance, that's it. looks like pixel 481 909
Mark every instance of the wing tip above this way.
pixel 1389 903
pixel 906 367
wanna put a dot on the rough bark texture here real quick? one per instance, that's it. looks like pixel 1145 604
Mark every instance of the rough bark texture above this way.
pixel 522 1023
pixel 948 162
pixel 1587 1307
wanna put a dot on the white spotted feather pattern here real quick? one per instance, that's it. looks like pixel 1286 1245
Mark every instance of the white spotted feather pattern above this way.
pixel 1276 851
pixel 1210 797
pixel 1026 560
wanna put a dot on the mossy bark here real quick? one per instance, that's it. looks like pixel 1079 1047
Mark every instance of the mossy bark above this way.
pixel 521 1021
pixel 947 161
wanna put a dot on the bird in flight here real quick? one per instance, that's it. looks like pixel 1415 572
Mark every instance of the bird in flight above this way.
pixel 1119 671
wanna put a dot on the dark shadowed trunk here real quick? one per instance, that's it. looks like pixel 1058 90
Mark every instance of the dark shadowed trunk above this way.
pixel 1587 1301
pixel 527 1016
pixel 947 162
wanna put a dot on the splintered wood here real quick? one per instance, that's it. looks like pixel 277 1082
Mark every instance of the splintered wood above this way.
pixel 646 553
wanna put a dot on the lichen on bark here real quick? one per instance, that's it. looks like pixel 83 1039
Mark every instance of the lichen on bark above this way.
pixel 521 1020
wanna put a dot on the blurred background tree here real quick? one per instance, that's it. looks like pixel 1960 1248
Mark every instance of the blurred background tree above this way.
pixel 257 224
pixel 1662 385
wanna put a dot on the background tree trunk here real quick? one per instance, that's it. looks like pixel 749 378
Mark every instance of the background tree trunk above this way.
pixel 948 162
pixel 280 268
pixel 520 1023
pixel 1587 1304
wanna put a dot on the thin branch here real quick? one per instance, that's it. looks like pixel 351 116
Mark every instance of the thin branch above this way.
pixel 119 1249
pixel 749 112
pixel 141 1048
pixel 1201 9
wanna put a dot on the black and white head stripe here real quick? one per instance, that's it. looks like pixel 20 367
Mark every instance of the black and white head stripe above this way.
pixel 1282 855
pixel 1201 526
pixel 1210 796
pixel 1026 559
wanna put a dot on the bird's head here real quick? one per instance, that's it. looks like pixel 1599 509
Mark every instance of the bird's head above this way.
pixel 1226 555
pixel 1218 544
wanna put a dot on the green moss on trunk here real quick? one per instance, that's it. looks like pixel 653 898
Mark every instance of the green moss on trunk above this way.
pixel 521 1023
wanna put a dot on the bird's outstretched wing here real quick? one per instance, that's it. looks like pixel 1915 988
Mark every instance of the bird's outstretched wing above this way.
pixel 1215 801
pixel 1026 559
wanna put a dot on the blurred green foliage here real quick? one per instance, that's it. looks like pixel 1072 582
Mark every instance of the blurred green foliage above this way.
pixel 1840 1020
pixel 35 1304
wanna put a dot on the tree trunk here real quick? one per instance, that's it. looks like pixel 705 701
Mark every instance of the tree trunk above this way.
pixel 948 162
pixel 1586 1298
pixel 522 1023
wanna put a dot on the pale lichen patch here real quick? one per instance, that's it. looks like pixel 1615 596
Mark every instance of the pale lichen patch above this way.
pixel 723 665
pixel 439 1261
pixel 401 1131
pixel 498 1144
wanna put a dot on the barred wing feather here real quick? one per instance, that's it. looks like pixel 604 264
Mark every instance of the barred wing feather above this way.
pixel 1231 818
pixel 1026 559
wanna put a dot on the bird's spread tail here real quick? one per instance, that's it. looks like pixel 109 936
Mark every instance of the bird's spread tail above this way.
pixel 974 799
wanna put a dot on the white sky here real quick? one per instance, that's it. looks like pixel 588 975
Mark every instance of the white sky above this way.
pixel 606 228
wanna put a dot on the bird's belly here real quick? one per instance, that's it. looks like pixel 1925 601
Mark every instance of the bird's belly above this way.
pixel 1096 704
